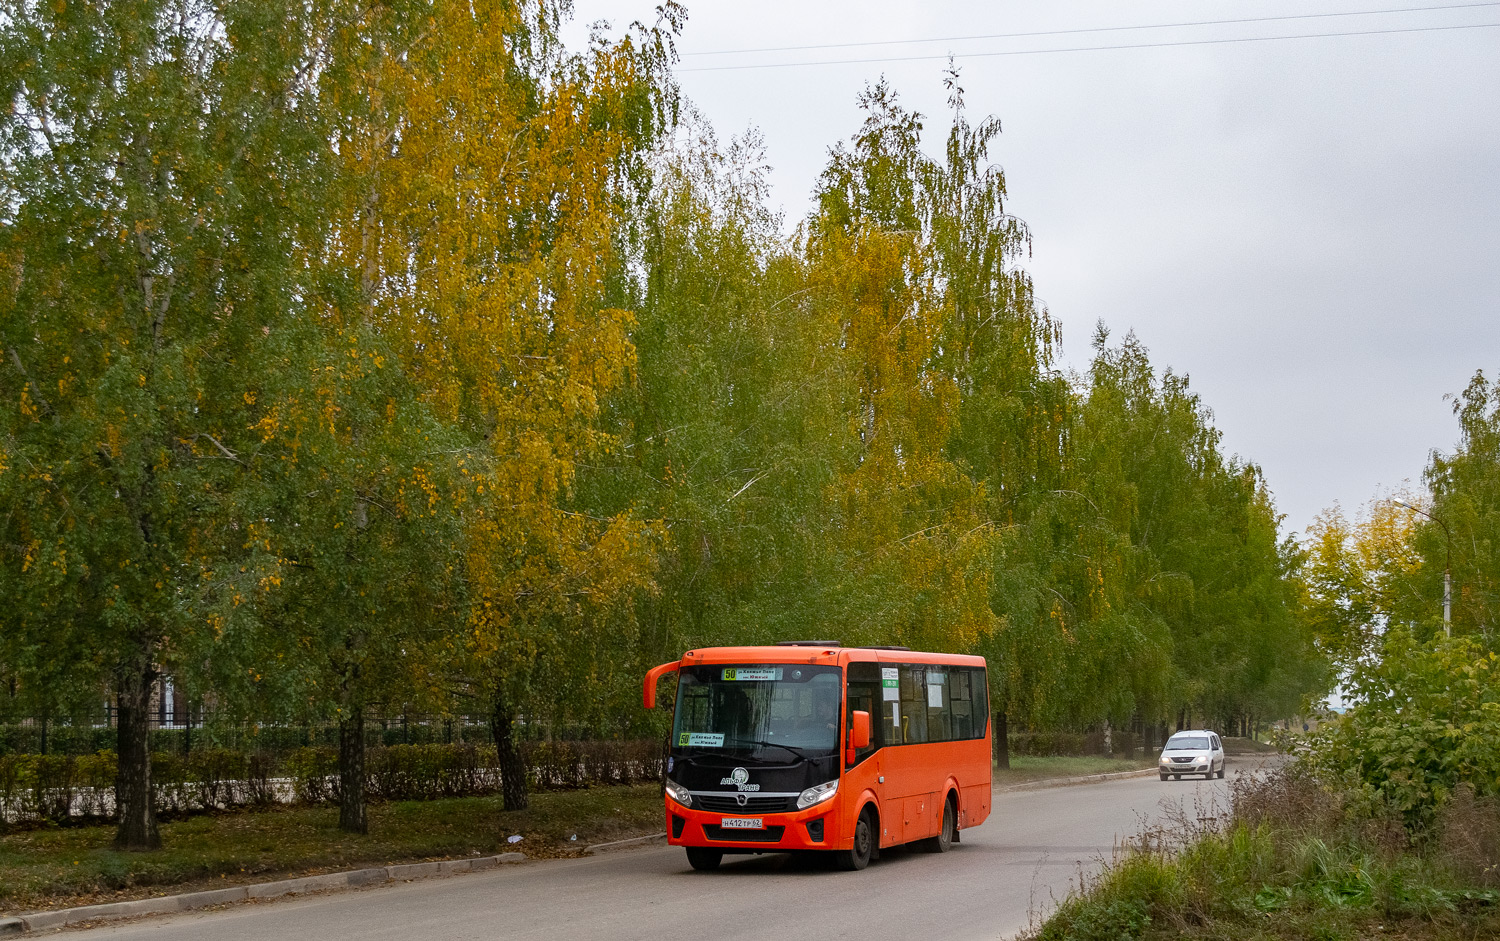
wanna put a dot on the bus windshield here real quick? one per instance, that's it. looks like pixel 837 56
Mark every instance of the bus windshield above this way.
pixel 773 712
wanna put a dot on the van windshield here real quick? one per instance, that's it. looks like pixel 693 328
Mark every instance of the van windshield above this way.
pixel 1186 742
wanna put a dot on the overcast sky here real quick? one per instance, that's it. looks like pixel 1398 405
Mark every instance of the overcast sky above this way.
pixel 1309 228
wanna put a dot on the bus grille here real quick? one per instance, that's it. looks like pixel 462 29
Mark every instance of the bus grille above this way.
pixel 768 835
pixel 755 805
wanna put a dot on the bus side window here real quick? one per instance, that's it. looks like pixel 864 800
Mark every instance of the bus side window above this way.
pixel 913 704
pixel 961 704
pixel 981 693
pixel 939 706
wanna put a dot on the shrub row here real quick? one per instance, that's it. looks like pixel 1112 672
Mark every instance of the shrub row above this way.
pixel 1046 744
pixel 80 788
pixel 80 740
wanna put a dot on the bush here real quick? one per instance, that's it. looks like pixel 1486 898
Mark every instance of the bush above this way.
pixel 1046 744
pixel 66 788
pixel 1426 720
pixel 313 773
pixel 428 772
pixel 56 788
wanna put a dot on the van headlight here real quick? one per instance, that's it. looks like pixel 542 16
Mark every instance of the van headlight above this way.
pixel 679 794
pixel 817 794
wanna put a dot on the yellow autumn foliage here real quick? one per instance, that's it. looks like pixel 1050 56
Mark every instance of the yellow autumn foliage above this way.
pixel 483 229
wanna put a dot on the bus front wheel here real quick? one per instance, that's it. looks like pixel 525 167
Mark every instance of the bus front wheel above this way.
pixel 857 856
pixel 701 857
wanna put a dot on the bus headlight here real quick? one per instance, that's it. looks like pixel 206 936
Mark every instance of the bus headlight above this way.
pixel 679 794
pixel 817 794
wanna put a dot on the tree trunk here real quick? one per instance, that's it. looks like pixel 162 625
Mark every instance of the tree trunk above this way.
pixel 137 830
pixel 1002 740
pixel 512 771
pixel 352 817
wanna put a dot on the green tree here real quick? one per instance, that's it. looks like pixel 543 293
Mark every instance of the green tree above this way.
pixel 1466 497
pixel 730 432
pixel 154 178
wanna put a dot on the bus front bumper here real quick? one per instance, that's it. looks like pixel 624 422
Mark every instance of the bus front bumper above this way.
pixel 812 829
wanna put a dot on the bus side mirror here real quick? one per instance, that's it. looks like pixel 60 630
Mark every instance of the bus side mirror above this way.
pixel 648 688
pixel 859 732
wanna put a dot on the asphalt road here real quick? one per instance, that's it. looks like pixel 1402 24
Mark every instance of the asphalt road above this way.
pixel 1002 876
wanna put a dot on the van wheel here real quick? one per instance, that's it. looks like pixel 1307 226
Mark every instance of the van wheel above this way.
pixel 701 857
pixel 857 856
pixel 944 840
pixel 1163 775
pixel 1221 774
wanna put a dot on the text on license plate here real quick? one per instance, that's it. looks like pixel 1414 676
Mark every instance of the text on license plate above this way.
pixel 744 823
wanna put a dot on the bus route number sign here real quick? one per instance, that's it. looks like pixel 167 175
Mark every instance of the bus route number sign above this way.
pixel 742 675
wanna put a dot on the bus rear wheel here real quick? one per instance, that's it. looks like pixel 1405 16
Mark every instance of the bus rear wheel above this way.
pixel 701 857
pixel 944 840
pixel 857 856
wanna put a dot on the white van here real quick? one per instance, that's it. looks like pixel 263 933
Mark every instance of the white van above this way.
pixel 1192 752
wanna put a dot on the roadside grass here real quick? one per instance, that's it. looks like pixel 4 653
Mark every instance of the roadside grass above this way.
pixel 1287 865
pixel 64 866
pixel 1027 768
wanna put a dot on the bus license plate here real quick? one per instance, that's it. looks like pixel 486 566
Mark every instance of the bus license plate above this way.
pixel 744 823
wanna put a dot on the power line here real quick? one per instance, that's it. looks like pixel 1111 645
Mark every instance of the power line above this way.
pixel 1093 29
pixel 1037 52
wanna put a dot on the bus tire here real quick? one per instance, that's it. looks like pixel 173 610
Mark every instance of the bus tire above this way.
pixel 944 840
pixel 701 857
pixel 857 856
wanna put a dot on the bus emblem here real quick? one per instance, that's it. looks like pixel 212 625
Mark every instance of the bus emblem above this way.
pixel 741 799
pixel 740 778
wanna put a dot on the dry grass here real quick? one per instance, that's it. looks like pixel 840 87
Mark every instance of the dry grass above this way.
pixel 1468 837
pixel 1290 861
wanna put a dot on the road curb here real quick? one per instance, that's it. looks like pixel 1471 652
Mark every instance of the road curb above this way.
pixel 598 848
pixel 1081 779
pixel 188 901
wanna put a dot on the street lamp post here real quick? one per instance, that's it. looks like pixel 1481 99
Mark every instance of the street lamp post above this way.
pixel 1447 565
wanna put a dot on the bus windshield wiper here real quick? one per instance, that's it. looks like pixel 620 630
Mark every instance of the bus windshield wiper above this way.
pixel 796 751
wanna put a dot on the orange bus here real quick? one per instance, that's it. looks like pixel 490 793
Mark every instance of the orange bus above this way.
pixel 807 745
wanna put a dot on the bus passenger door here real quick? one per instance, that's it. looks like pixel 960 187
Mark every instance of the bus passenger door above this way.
pixel 867 771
